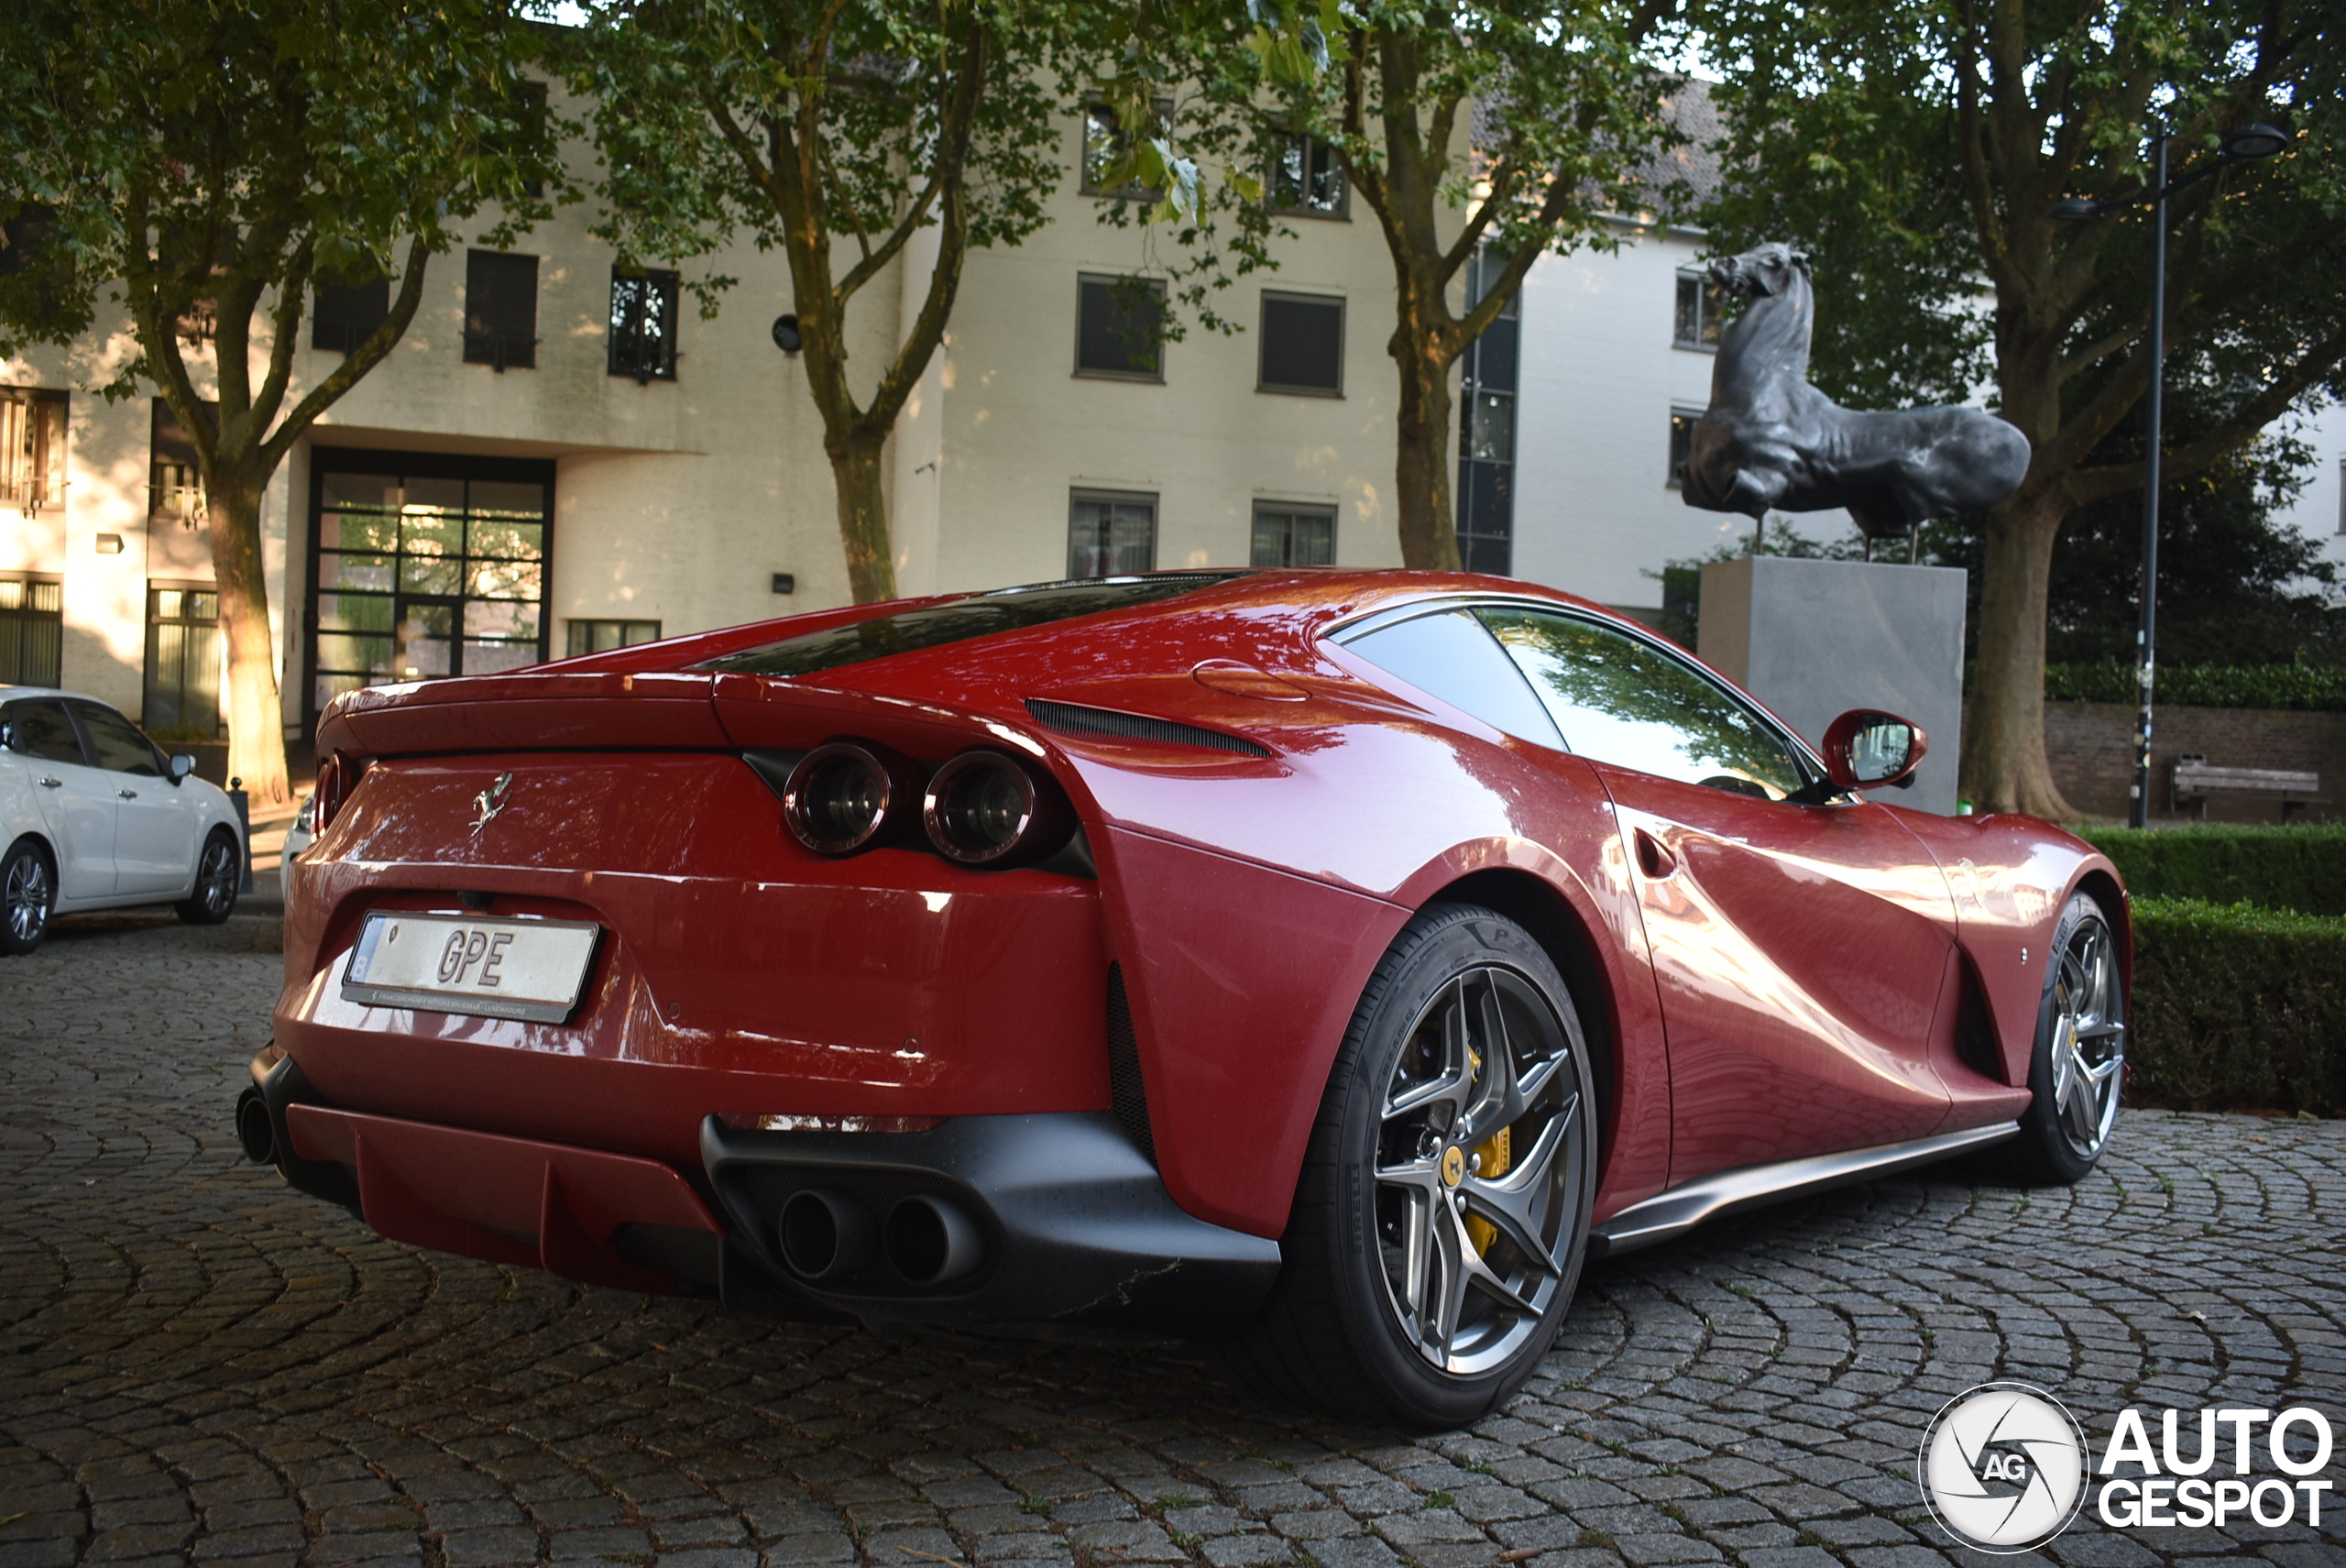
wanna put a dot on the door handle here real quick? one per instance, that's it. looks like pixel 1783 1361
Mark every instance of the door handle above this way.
pixel 127 794
pixel 1653 859
pixel 52 783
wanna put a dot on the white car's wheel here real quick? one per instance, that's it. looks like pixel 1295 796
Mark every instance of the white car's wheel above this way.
pixel 27 896
pixel 217 878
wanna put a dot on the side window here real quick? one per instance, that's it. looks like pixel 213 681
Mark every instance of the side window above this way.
pixel 1449 655
pixel 42 729
pixel 1622 700
pixel 119 748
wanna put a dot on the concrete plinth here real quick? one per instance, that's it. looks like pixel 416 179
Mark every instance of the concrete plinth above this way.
pixel 1813 639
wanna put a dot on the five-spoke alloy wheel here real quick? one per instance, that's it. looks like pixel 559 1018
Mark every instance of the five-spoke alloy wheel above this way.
pixel 1442 1214
pixel 2078 1068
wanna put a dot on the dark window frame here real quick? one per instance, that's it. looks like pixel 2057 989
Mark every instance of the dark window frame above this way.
pixel 1098 495
pixel 422 466
pixel 48 419
pixel 174 479
pixel 1682 420
pixel 1708 298
pixel 1087 184
pixel 32 638
pixel 625 342
pixel 574 625
pixel 501 345
pixel 1302 207
pixel 1262 348
pixel 1115 283
pixel 149 686
pixel 1488 371
pixel 344 315
pixel 1322 510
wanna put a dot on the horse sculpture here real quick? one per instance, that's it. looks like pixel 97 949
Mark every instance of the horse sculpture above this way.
pixel 1771 441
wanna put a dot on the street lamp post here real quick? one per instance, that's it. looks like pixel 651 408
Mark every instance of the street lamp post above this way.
pixel 2240 146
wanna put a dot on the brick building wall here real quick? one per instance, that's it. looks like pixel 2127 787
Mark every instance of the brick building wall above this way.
pixel 2091 748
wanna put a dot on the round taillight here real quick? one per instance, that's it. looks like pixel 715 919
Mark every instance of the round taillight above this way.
pixel 840 798
pixel 334 782
pixel 984 808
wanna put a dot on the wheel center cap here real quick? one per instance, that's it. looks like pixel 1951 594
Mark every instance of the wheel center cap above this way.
pixel 1453 1166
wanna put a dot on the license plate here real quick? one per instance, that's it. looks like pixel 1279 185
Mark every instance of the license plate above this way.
pixel 447 963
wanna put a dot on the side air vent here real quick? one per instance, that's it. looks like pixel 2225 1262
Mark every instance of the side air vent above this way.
pixel 1071 719
pixel 1127 1092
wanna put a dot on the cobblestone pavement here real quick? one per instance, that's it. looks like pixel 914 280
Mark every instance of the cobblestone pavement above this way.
pixel 196 1364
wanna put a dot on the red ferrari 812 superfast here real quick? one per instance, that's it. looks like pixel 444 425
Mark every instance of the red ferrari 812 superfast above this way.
pixel 1328 962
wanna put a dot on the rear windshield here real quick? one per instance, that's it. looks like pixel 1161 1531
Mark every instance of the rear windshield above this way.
pixel 980 615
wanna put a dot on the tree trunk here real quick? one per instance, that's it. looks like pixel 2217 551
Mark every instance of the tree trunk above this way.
pixel 1421 463
pixel 2004 766
pixel 255 712
pixel 863 518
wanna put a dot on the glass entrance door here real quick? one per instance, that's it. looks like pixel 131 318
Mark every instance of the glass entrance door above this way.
pixel 425 567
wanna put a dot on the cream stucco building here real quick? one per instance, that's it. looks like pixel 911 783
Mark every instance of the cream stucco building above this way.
pixel 555 458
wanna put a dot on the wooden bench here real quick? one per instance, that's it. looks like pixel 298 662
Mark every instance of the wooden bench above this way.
pixel 2196 779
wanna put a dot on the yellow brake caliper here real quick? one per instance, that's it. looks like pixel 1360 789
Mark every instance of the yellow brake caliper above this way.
pixel 1492 1156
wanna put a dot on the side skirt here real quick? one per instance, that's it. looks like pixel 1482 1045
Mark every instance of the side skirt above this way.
pixel 1680 1210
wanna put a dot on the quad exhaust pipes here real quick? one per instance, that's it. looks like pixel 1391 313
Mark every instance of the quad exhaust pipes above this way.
pixel 928 1240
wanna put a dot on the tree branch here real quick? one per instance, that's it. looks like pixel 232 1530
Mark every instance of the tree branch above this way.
pixel 377 345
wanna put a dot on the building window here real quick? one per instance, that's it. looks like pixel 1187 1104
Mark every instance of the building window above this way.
pixel 1106 145
pixel 643 325
pixel 1700 302
pixel 32 448
pixel 501 310
pixel 183 662
pixel 1308 179
pixel 174 483
pixel 349 315
pixel 1303 345
pixel 1118 327
pixel 1109 533
pixel 1290 536
pixel 602 636
pixel 32 630
pixel 1682 444
pixel 424 567
pixel 1485 505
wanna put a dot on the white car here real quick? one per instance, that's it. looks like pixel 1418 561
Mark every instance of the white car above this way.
pixel 94 816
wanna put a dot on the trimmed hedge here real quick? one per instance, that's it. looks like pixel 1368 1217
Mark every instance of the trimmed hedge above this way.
pixel 2204 685
pixel 2238 1007
pixel 2298 868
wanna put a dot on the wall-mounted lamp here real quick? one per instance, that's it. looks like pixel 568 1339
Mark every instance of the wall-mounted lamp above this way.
pixel 786 333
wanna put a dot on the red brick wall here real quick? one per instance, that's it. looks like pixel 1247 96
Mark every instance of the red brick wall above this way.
pixel 2091 748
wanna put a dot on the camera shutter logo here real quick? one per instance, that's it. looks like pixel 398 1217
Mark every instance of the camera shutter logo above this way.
pixel 2003 1467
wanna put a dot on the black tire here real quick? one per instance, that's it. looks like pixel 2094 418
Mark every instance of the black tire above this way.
pixel 27 896
pixel 1376 1266
pixel 219 873
pixel 2077 1067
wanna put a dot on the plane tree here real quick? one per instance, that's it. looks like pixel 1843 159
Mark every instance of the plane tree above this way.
pixel 196 171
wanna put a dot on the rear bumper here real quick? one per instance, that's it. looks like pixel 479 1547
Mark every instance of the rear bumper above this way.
pixel 1066 1220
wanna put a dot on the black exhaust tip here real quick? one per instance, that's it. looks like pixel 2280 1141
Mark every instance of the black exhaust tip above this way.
pixel 825 1234
pixel 255 1131
pixel 931 1241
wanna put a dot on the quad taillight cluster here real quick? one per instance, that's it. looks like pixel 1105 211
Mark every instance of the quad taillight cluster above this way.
pixel 981 808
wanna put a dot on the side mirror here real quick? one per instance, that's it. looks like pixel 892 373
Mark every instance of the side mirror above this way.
pixel 1867 750
pixel 182 766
